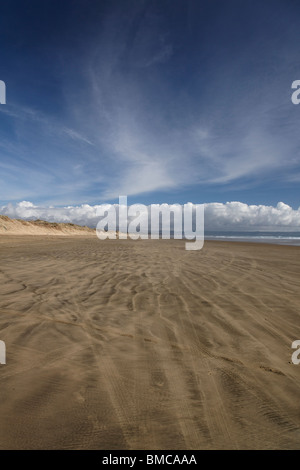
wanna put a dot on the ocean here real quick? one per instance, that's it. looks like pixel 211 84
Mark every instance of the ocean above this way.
pixel 279 238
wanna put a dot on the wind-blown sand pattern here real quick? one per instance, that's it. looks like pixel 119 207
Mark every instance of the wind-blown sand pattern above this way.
pixel 143 345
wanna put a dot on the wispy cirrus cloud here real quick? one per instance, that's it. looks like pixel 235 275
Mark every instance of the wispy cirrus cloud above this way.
pixel 150 108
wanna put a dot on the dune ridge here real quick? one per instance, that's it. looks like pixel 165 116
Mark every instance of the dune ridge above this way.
pixel 41 227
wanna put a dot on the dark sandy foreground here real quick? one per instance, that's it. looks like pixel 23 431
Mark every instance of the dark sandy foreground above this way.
pixel 143 345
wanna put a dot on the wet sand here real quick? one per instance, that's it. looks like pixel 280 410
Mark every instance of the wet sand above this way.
pixel 143 345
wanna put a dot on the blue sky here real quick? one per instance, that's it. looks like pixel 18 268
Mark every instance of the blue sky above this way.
pixel 163 101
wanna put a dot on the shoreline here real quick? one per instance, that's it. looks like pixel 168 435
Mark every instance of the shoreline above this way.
pixel 17 236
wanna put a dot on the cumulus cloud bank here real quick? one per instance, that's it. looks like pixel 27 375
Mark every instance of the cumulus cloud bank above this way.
pixel 218 216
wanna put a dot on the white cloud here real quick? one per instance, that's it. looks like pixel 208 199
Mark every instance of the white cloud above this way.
pixel 218 216
pixel 240 216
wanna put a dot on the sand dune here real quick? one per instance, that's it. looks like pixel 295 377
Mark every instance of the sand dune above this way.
pixel 143 345
pixel 40 227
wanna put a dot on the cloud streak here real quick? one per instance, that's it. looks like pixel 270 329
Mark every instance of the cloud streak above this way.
pixel 147 107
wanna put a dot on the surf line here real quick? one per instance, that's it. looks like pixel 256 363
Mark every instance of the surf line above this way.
pixel 111 460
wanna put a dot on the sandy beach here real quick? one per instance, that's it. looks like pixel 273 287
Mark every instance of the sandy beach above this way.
pixel 144 345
